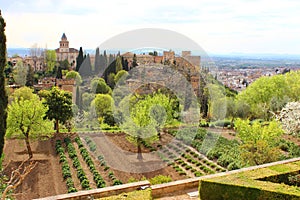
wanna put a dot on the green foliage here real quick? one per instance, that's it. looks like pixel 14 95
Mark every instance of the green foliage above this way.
pixel 50 61
pixel 74 75
pixel 79 59
pixel 59 103
pixel 24 93
pixel 271 93
pixel 259 141
pixel 87 98
pixel 119 66
pixel 250 184
pixel 98 86
pixel 103 105
pixel 20 73
pixel 26 118
pixel 159 179
pixel 3 95
pixel 121 76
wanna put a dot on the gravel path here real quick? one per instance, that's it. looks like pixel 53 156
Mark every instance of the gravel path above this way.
pixel 119 159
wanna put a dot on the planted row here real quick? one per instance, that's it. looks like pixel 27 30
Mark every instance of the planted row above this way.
pixel 87 158
pixel 116 181
pixel 66 172
pixel 85 184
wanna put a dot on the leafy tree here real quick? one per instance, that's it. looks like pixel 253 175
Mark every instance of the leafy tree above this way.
pixel 24 93
pixel 79 59
pixel 59 103
pixel 50 61
pixel 20 73
pixel 269 94
pixel 103 106
pixel 98 86
pixel 147 117
pixel 236 109
pixel 121 75
pixel 119 66
pixel 3 96
pixel 87 98
pixel 259 141
pixel 74 75
pixel 26 117
pixel 65 65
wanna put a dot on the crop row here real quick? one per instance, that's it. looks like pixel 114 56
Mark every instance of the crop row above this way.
pixel 66 172
pixel 85 184
pixel 93 148
pixel 87 158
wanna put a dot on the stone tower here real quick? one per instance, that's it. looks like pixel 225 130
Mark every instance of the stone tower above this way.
pixel 64 44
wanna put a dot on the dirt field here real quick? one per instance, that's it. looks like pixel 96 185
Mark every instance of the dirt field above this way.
pixel 45 179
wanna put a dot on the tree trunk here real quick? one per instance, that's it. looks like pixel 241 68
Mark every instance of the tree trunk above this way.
pixel 139 143
pixel 28 148
pixel 57 126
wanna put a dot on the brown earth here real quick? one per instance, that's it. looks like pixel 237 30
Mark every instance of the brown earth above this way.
pixel 46 178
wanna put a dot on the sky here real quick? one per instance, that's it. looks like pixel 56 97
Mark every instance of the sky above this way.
pixel 218 26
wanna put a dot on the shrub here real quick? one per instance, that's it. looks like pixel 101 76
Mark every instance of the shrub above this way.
pixel 117 182
pixel 160 179
pixel 197 174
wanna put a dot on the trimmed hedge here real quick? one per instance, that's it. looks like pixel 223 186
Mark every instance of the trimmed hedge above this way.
pixel 249 185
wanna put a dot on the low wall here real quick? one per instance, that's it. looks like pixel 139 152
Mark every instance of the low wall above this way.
pixel 99 193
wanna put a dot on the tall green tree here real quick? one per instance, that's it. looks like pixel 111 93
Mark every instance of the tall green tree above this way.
pixel 59 72
pixel 134 61
pixel 79 59
pixel 26 118
pixel 97 64
pixel 59 103
pixel 119 66
pixel 50 61
pixel 30 77
pixel 3 96
pixel 20 73
pixel 86 67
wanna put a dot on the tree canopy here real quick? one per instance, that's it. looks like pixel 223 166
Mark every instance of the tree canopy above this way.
pixel 26 118
pixel 262 94
pixel 59 103
pixel 74 75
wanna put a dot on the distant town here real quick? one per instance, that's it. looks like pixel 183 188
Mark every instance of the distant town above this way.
pixel 234 71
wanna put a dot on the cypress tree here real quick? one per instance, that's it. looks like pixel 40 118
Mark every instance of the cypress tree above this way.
pixel 3 95
pixel 59 73
pixel 86 68
pixel 105 59
pixel 97 61
pixel 79 59
pixel 119 66
pixel 134 61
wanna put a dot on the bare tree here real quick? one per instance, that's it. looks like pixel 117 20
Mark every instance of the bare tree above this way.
pixel 37 54
pixel 17 176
